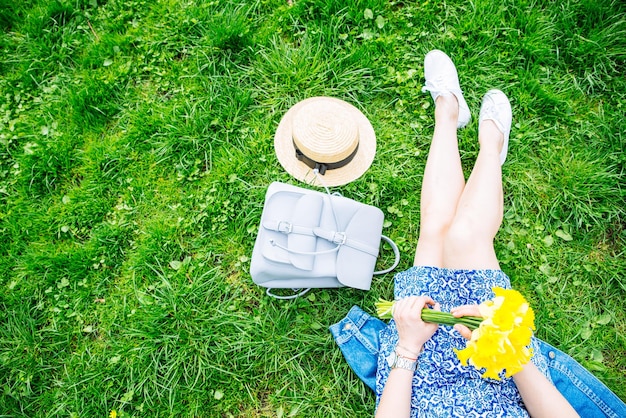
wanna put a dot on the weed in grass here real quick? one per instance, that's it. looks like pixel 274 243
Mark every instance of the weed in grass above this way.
pixel 593 51
pixel 229 28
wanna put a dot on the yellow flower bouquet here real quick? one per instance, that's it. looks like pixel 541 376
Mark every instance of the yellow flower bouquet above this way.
pixel 500 337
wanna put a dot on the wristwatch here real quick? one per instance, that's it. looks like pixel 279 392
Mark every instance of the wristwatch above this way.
pixel 396 361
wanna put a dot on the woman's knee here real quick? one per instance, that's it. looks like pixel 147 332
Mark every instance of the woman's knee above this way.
pixel 466 234
pixel 435 222
pixel 468 247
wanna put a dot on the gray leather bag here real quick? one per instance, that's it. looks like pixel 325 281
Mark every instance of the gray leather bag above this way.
pixel 309 239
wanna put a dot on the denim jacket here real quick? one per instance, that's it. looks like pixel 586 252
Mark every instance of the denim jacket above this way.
pixel 357 337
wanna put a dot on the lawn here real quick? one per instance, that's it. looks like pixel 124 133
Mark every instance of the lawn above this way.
pixel 136 145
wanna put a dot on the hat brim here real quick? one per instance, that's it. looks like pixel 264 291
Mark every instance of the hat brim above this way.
pixel 285 151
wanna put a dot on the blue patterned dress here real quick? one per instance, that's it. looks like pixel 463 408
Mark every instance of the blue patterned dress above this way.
pixel 441 386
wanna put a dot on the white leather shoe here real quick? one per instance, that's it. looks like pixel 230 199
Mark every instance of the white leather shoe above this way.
pixel 496 107
pixel 442 78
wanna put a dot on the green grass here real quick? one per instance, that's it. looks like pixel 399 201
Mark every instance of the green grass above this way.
pixel 136 143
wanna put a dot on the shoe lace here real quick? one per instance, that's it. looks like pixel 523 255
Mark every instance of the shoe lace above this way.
pixel 434 85
pixel 492 112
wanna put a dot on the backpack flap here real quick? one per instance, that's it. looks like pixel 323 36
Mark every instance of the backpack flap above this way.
pixel 356 259
pixel 288 220
pixel 306 215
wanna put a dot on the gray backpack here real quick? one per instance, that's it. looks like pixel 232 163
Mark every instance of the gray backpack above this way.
pixel 309 239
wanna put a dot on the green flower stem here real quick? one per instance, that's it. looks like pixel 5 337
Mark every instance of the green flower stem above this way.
pixel 446 318
pixel 384 309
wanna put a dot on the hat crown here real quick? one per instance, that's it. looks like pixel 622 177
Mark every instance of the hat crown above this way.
pixel 325 131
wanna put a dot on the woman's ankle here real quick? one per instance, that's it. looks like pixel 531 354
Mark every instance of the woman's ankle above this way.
pixel 490 136
pixel 447 108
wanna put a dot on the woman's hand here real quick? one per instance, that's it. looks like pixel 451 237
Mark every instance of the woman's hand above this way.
pixel 412 331
pixel 465 310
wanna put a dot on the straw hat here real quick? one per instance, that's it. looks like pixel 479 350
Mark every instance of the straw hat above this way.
pixel 326 133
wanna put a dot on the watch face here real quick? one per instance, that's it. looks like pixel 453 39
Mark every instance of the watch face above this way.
pixel 391 359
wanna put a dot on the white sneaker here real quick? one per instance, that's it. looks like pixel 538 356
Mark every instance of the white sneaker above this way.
pixel 496 107
pixel 441 78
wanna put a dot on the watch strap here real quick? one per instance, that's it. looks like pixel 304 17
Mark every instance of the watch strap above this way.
pixel 403 362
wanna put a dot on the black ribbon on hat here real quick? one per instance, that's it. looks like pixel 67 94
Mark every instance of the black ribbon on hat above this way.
pixel 322 167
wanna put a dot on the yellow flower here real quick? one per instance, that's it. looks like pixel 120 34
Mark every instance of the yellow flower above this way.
pixel 113 414
pixel 501 341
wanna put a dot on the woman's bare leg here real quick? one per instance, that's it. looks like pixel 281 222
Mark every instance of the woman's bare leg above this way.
pixel 469 241
pixel 443 180
pixel 442 184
